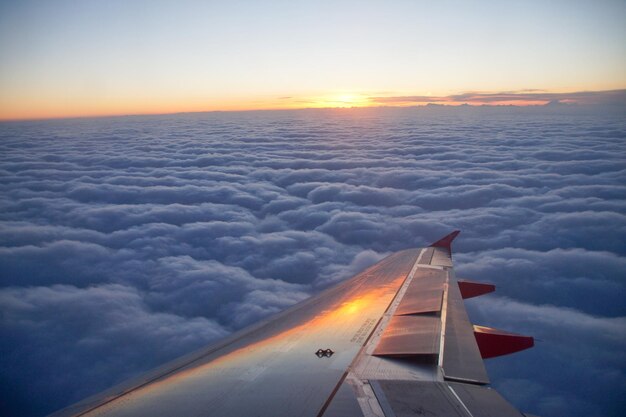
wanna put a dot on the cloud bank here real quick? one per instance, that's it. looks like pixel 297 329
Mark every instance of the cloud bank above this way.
pixel 533 97
pixel 126 242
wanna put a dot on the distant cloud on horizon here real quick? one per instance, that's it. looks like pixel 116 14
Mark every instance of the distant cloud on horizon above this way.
pixel 530 96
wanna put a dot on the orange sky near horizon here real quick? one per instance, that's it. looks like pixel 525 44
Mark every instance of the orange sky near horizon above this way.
pixel 90 58
pixel 29 110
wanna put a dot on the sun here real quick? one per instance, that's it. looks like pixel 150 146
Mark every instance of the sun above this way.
pixel 347 98
pixel 342 100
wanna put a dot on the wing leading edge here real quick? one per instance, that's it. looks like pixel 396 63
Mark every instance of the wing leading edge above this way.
pixel 392 338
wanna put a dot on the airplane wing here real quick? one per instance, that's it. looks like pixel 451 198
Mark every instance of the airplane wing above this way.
pixel 393 341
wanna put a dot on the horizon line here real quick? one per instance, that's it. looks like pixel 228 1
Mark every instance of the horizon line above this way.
pixel 532 98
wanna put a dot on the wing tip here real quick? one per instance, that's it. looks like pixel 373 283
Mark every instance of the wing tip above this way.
pixel 495 342
pixel 446 241
pixel 471 289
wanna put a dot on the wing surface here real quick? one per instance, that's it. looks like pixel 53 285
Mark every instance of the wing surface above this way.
pixel 393 341
pixel 272 368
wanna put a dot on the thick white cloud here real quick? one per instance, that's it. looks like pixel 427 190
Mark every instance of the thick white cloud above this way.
pixel 125 242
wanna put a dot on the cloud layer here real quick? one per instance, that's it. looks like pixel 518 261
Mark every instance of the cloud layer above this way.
pixel 533 97
pixel 126 242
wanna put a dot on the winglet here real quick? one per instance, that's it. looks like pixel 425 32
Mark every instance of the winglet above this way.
pixel 471 289
pixel 493 342
pixel 446 241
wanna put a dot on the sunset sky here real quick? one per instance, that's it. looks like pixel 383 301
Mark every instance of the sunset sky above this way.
pixel 82 58
pixel 128 242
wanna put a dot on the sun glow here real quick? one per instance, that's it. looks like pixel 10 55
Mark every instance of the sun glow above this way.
pixel 341 100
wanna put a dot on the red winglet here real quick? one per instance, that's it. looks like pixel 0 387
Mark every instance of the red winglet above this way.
pixel 471 289
pixel 494 342
pixel 446 242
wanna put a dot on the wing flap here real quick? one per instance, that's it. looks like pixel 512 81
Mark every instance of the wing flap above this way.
pixel 424 294
pixel 410 336
pixel 461 356
pixel 483 401
pixel 411 398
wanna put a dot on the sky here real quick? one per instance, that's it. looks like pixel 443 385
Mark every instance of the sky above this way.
pixel 129 241
pixel 82 58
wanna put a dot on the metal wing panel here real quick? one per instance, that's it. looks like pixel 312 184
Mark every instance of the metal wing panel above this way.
pixel 410 335
pixel 461 357
pixel 441 257
pixel 273 365
pixel 415 398
pixel 424 294
pixel 438 399
pixel 344 404
pixel 427 256
pixel 483 401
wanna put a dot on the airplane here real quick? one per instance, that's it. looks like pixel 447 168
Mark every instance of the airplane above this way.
pixel 395 340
